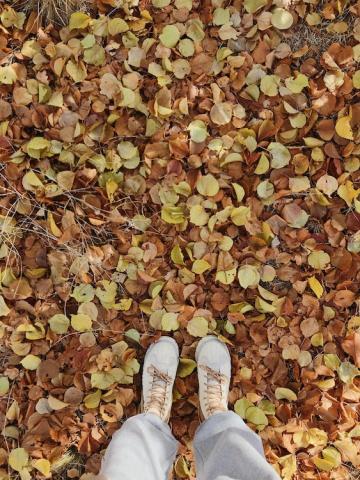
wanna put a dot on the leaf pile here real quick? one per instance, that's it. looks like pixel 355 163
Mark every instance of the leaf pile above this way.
pixel 174 167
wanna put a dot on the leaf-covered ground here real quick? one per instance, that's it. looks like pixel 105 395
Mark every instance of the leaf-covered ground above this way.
pixel 180 167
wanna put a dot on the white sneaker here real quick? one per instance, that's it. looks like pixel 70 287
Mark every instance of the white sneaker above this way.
pixel 160 366
pixel 214 372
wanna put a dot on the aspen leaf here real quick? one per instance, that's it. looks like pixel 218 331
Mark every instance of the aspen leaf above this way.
pixel 330 459
pixel 177 256
pixel 81 322
pixel 172 215
pixel 316 286
pixel 207 185
pixel 221 113
pixel 200 266
pixel 281 18
pixel 169 36
pixel 239 191
pixel 59 323
pixel 186 367
pixel 198 215
pixel 77 71
pixel 4 309
pixel 30 362
pixel 92 400
pixel 319 259
pixel 327 184
pixel 249 276
pixel 79 20
pixel 241 406
pixel 347 192
pixel 256 416
pixel 43 466
pixel 169 321
pixel 226 277
pixel 240 215
pixel 198 327
pixel 282 393
pixel 198 131
pixel 252 6
pixel 343 128
pixel 4 386
pixel 18 459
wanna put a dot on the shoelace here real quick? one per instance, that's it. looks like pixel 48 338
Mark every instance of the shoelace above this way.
pixel 214 391
pixel 159 386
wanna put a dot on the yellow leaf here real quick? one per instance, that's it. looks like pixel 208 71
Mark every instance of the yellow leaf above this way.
pixel 18 459
pixel 43 466
pixel 31 181
pixel 226 277
pixel 317 340
pixel 252 6
pixel 316 286
pixel 240 215
pixel 177 256
pixel 285 393
pixel 4 309
pixel 239 191
pixel 198 215
pixel 198 327
pixel 4 386
pixel 319 259
pixel 59 323
pixel 106 293
pixel 207 185
pixel 343 128
pixel 7 75
pixel 264 307
pixel 281 18
pixel 93 399
pixel 289 467
pixel 170 36
pixel 79 20
pixel 331 459
pixel 56 404
pixel 263 165
pixel 198 131
pixel 77 71
pixel 347 192
pixel 169 321
pixel 81 322
pixel 173 215
pixel 124 304
pixel 117 25
pixel 200 266
pixel 256 416
pixel 186 367
pixel 55 230
pixel 181 468
pixel 248 276
pixel 30 362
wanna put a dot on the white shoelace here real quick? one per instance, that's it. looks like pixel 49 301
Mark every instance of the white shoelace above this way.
pixel 214 390
pixel 158 391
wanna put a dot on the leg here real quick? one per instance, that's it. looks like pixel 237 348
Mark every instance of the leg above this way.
pixel 143 448
pixel 227 449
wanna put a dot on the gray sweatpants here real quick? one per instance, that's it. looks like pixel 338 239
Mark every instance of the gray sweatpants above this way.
pixel 225 449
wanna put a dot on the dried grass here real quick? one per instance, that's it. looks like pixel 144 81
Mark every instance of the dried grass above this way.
pixel 319 38
pixel 56 12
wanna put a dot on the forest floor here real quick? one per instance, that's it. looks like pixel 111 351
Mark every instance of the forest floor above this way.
pixel 183 168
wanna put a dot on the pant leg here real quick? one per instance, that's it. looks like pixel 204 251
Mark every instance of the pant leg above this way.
pixel 227 449
pixel 143 448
